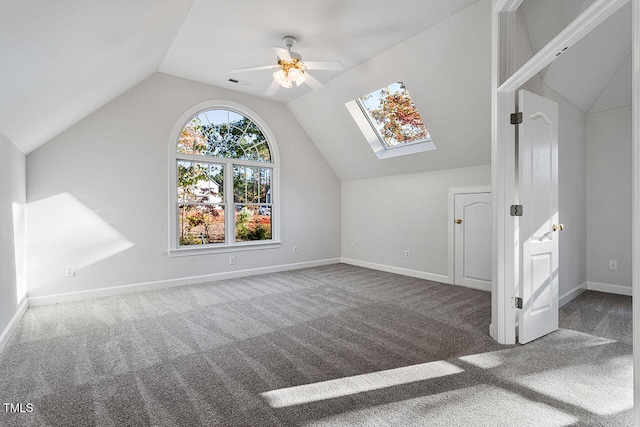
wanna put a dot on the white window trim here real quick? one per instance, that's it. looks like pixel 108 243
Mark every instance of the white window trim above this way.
pixel 175 250
pixel 379 148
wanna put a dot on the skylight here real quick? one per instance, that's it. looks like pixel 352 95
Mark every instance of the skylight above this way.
pixel 389 120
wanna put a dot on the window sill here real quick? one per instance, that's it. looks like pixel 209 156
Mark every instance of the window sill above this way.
pixel 207 250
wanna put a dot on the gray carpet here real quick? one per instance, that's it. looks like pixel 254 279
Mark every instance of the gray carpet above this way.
pixel 330 346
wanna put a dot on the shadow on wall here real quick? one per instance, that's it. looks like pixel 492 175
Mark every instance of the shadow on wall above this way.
pixel 63 232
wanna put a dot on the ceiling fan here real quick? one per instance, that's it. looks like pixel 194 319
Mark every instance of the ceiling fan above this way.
pixel 291 69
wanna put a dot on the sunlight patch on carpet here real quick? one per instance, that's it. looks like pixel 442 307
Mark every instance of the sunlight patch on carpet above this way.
pixel 604 388
pixel 483 360
pixel 341 387
pixel 482 405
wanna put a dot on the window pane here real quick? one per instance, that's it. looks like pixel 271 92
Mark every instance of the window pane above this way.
pixel 192 140
pixel 251 184
pixel 224 133
pixel 200 182
pixel 201 224
pixel 253 222
pixel 393 115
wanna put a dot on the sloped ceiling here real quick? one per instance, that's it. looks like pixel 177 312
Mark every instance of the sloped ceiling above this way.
pixel 447 72
pixel 595 73
pixel 218 36
pixel 62 60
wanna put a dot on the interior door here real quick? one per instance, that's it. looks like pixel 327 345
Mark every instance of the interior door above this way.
pixel 538 225
pixel 472 240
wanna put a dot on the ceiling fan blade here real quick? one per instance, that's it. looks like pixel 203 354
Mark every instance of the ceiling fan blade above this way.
pixel 272 89
pixel 263 67
pixel 324 65
pixel 312 81
pixel 282 53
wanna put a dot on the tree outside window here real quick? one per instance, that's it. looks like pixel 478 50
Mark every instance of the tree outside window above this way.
pixel 221 152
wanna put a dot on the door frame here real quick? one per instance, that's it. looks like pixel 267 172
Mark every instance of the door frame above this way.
pixel 451 228
pixel 505 80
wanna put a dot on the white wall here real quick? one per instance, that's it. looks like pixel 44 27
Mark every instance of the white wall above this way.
pixel 383 217
pixel 98 194
pixel 609 199
pixel 12 241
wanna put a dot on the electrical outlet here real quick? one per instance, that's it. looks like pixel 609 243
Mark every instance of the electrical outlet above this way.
pixel 353 246
pixel 295 249
pixel 344 245
pixel 407 253
pixel 232 260
pixel 69 272
pixel 613 265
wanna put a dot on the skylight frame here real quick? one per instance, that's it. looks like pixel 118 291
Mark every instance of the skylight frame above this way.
pixel 367 124
pixel 383 141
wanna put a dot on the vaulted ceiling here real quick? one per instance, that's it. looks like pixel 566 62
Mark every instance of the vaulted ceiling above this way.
pixel 218 36
pixel 595 73
pixel 63 60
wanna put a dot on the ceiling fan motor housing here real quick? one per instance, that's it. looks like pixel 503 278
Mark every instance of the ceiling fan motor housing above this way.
pixel 289 41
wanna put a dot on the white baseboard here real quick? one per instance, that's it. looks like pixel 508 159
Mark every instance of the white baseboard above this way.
pixel 572 294
pixel 412 273
pixel 162 284
pixel 611 289
pixel 398 270
pixel 8 331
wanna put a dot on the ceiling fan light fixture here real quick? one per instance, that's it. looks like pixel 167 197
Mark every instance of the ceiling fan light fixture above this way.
pixel 291 69
pixel 297 76
pixel 282 78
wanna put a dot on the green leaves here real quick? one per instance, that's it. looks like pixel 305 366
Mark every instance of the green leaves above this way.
pixel 231 139
pixel 199 182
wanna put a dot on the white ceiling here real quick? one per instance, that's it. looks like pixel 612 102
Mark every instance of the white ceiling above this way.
pixel 61 60
pixel 595 73
pixel 446 69
pixel 207 49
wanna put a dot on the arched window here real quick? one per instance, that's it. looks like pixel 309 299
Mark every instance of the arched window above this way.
pixel 224 175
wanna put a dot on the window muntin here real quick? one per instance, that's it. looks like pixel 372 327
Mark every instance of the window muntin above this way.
pixel 393 116
pixel 224 133
pixel 220 151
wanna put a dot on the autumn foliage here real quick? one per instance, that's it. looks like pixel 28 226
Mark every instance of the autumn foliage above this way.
pixel 398 119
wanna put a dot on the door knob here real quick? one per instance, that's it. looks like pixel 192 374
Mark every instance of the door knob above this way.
pixel 458 221
pixel 558 227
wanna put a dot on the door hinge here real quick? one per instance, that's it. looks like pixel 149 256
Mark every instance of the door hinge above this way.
pixel 516 210
pixel 516 118
pixel 516 302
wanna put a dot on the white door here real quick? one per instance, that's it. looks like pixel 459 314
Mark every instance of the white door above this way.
pixel 538 225
pixel 472 240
